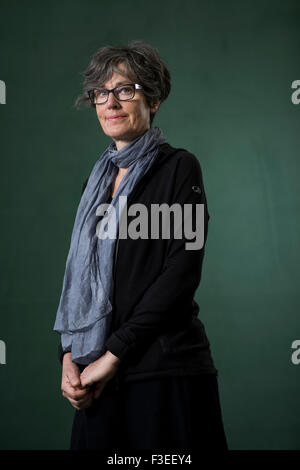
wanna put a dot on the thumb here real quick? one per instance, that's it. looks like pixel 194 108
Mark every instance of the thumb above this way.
pixel 74 379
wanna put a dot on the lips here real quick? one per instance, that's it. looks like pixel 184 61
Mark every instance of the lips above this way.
pixel 116 117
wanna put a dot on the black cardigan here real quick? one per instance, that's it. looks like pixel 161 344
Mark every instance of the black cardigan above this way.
pixel 155 329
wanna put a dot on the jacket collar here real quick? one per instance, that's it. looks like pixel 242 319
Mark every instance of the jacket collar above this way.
pixel 165 151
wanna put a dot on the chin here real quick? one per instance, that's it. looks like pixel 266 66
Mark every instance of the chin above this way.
pixel 118 135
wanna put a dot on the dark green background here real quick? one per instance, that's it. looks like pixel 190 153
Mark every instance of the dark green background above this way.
pixel 232 65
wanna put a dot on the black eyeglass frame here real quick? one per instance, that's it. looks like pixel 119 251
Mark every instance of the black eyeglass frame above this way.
pixel 91 92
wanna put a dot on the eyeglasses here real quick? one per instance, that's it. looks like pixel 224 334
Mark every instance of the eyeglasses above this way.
pixel 123 92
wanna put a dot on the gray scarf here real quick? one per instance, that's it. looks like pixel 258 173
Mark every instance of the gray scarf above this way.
pixel 84 314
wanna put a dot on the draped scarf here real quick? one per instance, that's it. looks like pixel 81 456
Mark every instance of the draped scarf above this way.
pixel 84 314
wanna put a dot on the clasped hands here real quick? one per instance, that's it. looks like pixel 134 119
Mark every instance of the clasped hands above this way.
pixel 82 389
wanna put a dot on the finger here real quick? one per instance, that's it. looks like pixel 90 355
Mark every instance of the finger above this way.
pixel 79 389
pixel 78 402
pixel 82 404
pixel 74 378
pixel 74 404
pixel 85 382
pixel 79 385
pixel 69 391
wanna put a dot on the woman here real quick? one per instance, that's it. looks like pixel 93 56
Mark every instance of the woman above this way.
pixel 136 360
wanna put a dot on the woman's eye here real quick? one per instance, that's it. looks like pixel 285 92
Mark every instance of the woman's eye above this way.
pixel 125 90
pixel 100 92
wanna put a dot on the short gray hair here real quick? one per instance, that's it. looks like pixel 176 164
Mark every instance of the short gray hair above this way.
pixel 143 65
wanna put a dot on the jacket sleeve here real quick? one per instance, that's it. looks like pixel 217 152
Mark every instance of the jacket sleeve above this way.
pixel 175 286
pixel 60 349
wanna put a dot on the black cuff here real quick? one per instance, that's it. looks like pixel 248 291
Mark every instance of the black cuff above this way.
pixel 118 348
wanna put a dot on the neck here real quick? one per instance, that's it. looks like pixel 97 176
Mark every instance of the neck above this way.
pixel 122 143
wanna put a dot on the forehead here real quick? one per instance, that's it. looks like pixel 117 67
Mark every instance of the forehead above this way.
pixel 119 76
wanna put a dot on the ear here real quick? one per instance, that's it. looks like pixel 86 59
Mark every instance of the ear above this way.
pixel 155 107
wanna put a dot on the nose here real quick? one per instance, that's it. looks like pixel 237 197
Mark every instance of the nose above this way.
pixel 112 101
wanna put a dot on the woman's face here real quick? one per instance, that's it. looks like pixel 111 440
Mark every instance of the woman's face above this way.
pixel 135 113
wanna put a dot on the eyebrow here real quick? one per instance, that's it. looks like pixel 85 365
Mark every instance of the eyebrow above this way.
pixel 117 84
pixel 120 83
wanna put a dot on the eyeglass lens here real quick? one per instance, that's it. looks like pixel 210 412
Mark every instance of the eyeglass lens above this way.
pixel 121 93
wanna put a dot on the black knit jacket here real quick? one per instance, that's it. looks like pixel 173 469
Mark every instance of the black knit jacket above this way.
pixel 156 331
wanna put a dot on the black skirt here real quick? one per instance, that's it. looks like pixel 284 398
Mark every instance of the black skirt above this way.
pixel 169 413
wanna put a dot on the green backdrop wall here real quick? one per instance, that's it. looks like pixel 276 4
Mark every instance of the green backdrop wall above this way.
pixel 232 65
